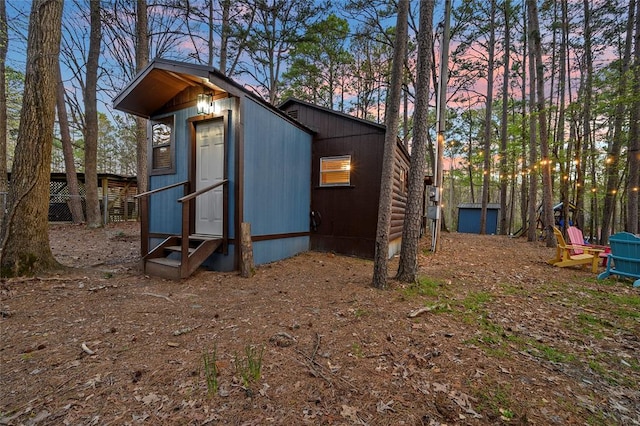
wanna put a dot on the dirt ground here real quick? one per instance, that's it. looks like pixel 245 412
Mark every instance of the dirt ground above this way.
pixel 501 338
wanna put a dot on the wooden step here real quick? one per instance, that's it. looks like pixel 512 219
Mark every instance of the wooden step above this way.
pixel 160 264
pixel 201 237
pixel 178 249
pixel 167 261
pixel 163 267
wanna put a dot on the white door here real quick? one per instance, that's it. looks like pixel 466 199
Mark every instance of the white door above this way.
pixel 209 170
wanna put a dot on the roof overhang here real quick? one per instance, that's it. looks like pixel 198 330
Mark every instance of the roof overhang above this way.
pixel 161 81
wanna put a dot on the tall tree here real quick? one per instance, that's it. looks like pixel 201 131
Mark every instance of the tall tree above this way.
pixel 142 59
pixel 566 162
pixel 488 122
pixel 75 202
pixel 545 163
pixel 633 150
pixel 381 255
pixel 278 26
pixel 317 62
pixel 533 146
pixel 612 164
pixel 4 45
pixel 94 218
pixel 504 125
pixel 24 236
pixel 408 265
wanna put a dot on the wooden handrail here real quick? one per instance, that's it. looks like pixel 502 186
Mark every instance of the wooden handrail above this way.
pixel 184 232
pixel 201 191
pixel 164 188
pixel 184 246
pixel 144 213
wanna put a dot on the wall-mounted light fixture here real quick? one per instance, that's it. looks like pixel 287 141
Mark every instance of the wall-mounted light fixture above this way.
pixel 205 103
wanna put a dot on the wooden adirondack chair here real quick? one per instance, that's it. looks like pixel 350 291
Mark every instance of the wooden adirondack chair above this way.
pixel 566 257
pixel 624 259
pixel 577 239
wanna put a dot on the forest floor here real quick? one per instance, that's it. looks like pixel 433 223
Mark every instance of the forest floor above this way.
pixel 502 338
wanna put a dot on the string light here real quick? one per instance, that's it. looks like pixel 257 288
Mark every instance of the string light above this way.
pixel 593 189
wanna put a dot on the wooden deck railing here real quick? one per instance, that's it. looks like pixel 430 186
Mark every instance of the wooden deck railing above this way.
pixel 186 216
pixel 144 213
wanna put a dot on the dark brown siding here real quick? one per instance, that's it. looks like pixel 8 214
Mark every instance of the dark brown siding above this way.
pixel 349 215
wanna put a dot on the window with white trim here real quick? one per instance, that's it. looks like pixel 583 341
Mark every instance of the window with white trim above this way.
pixel 335 171
pixel 162 145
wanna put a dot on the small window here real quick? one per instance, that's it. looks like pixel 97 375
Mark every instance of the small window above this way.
pixel 404 181
pixel 162 137
pixel 335 171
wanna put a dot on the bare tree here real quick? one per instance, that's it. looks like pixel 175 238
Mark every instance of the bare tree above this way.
pixel 142 59
pixel 381 256
pixel 4 45
pixel 24 236
pixel 75 202
pixel 408 266
pixel 94 218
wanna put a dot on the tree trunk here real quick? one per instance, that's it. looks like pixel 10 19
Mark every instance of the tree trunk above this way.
pixel 142 59
pixel 25 232
pixel 612 163
pixel 408 265
pixel 488 127
pixel 565 165
pixel 634 139
pixel 94 218
pixel 524 205
pixel 504 172
pixel 210 46
pixel 533 153
pixel 224 38
pixel 75 201
pixel 545 163
pixel 391 121
pixel 583 145
pixel 4 45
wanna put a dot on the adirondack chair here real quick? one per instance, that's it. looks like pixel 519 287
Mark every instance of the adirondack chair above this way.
pixel 577 239
pixel 566 257
pixel 624 259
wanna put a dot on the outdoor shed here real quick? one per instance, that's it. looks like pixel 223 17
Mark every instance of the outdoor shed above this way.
pixel 346 169
pixel 219 157
pixel 469 218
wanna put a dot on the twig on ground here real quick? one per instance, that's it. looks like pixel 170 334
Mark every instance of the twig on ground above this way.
pixel 86 349
pixel 161 296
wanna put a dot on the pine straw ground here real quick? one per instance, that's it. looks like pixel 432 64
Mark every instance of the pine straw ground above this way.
pixel 503 338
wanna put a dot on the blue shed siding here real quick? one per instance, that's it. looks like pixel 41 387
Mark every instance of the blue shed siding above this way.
pixel 469 220
pixel 165 211
pixel 277 192
pixel 274 250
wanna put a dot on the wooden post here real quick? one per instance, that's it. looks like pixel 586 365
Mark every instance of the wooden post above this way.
pixel 246 251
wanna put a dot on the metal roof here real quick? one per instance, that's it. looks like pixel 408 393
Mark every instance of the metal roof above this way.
pixel 491 206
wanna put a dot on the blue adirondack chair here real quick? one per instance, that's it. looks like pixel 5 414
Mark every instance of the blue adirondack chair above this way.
pixel 624 259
